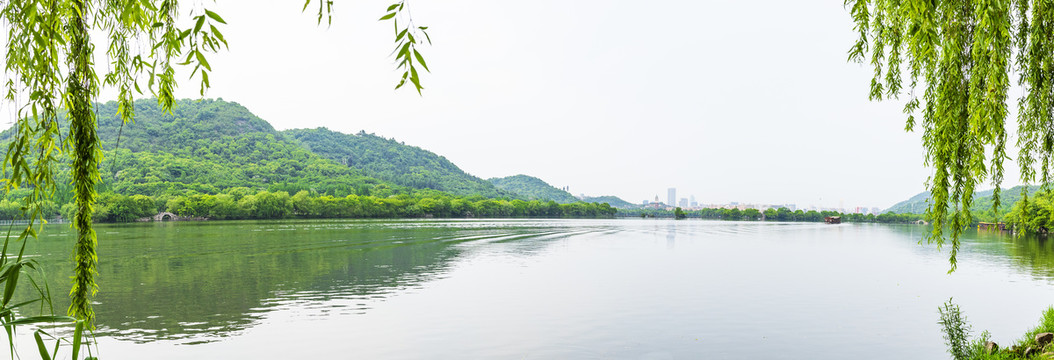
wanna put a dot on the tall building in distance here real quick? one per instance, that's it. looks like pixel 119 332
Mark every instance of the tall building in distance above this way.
pixel 671 196
pixel 692 202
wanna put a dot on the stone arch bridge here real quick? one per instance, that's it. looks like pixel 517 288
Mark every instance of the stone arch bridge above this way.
pixel 165 215
pixel 161 216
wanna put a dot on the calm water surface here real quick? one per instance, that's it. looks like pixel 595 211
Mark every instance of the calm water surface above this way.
pixel 545 289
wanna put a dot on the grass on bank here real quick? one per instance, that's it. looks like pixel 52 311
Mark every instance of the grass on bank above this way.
pixel 957 330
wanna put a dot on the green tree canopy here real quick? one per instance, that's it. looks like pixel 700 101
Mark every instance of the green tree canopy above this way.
pixel 957 59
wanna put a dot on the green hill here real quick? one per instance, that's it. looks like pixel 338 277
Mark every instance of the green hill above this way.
pixel 610 200
pixel 393 161
pixel 532 188
pixel 215 159
pixel 982 204
pixel 208 146
pixel 211 145
pixel 915 205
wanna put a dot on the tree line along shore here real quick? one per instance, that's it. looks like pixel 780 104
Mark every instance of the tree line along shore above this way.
pixel 244 203
pixel 773 214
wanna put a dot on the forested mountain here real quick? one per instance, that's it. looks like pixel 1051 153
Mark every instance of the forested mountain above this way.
pixel 393 161
pixel 192 123
pixel 982 203
pixel 215 159
pixel 610 200
pixel 532 188
pixel 212 145
pixel 207 146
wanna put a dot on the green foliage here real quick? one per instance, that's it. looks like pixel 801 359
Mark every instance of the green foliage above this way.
pixel 610 200
pixel 679 214
pixel 208 146
pixel 119 208
pixel 85 164
pixel 961 52
pixel 1046 324
pixel 956 331
pixel 18 268
pixel 406 45
pixel 983 203
pixel 214 148
pixel 532 188
pixel 977 349
pixel 918 203
pixel 751 215
pixel 407 38
pixel 1033 214
pixel 235 203
pixel 390 160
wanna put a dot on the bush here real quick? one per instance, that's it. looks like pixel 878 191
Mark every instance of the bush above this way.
pixel 956 331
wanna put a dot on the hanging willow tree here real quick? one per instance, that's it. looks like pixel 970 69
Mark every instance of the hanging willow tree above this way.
pixel 52 81
pixel 957 58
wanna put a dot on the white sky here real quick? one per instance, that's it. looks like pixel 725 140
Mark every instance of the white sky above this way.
pixel 748 101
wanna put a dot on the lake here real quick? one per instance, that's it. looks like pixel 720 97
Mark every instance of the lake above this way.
pixel 544 289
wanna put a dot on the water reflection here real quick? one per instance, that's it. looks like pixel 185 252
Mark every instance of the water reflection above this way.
pixel 193 283
pixel 547 289
pixel 201 282
pixel 671 235
pixel 1029 254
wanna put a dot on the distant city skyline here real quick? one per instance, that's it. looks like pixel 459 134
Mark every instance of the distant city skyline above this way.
pixel 691 202
pixel 686 203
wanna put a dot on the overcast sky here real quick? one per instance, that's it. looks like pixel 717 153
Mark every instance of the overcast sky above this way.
pixel 748 101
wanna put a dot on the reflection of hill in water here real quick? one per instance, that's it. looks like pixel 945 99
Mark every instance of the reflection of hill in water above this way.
pixel 1033 255
pixel 203 281
pixel 1028 254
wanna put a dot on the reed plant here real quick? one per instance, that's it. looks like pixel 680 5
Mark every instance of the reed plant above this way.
pixel 956 331
pixel 19 271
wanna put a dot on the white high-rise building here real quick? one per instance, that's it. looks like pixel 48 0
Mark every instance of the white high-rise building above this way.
pixel 671 196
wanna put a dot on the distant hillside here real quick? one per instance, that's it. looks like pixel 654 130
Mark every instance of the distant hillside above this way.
pixel 393 161
pixel 215 159
pixel 212 145
pixel 191 124
pixel 533 188
pixel 614 201
pixel 915 205
pixel 982 201
pixel 208 146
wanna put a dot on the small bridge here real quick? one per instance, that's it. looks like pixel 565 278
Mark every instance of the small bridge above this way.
pixel 162 216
